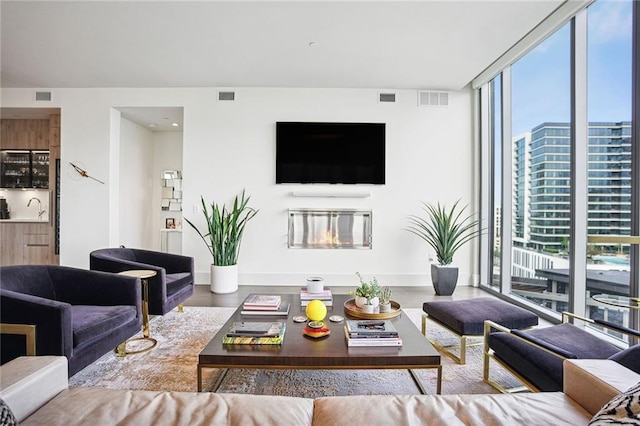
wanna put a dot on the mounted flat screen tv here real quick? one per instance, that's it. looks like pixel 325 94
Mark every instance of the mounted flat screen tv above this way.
pixel 335 153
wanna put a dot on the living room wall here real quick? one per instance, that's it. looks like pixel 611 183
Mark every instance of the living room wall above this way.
pixel 230 146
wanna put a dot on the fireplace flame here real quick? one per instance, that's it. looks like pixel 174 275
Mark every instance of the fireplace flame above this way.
pixel 327 238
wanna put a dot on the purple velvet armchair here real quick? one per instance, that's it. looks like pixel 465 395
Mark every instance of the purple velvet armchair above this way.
pixel 174 280
pixel 77 313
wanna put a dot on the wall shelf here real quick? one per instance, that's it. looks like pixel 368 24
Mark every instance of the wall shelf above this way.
pixel 331 194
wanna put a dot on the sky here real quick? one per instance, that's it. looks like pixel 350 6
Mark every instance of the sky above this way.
pixel 541 78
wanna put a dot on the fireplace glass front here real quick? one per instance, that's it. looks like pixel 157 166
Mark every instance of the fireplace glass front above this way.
pixel 329 229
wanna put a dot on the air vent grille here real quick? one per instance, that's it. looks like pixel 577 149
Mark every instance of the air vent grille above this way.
pixel 386 97
pixel 43 96
pixel 431 98
pixel 226 96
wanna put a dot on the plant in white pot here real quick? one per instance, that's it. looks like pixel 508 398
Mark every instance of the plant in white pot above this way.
pixel 367 295
pixel 222 237
pixel 445 230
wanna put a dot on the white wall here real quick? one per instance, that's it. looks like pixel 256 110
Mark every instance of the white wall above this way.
pixel 229 146
pixel 136 186
pixel 167 155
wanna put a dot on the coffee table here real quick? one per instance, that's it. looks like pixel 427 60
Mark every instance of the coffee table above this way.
pixel 331 352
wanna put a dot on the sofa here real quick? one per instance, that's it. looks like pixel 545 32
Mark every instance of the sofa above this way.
pixel 73 312
pixel 36 390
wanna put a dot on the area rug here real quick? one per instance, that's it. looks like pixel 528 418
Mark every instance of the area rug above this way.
pixel 172 366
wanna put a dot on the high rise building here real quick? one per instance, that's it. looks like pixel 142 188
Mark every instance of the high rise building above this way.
pixel 541 184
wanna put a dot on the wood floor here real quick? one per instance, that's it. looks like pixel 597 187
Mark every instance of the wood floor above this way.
pixel 407 297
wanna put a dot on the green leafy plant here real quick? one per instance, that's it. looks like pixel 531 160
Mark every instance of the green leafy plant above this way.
pixel 225 228
pixel 445 230
pixel 368 290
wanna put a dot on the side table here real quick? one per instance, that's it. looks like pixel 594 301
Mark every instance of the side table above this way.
pixel 619 301
pixel 144 275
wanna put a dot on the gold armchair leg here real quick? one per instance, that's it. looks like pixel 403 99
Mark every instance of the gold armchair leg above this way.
pixel 27 330
pixel 181 308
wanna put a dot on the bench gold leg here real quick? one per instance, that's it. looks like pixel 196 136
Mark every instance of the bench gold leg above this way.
pixel 180 308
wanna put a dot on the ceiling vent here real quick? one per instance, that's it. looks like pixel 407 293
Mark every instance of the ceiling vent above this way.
pixel 226 96
pixel 429 98
pixel 43 96
pixel 386 97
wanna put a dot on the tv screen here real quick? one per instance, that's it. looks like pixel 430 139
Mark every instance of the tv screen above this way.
pixel 338 153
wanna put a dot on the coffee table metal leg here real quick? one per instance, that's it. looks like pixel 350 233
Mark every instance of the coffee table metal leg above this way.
pixel 418 382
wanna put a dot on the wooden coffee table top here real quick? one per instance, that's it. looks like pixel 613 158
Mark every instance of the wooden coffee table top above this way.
pixel 301 352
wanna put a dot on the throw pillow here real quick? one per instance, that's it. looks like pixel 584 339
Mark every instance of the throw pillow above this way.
pixel 622 409
pixel 629 357
pixel 6 415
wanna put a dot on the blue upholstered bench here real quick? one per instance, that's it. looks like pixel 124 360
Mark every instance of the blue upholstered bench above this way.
pixel 465 319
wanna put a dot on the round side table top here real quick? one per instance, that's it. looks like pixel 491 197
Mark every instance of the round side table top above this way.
pixel 139 273
pixel 620 301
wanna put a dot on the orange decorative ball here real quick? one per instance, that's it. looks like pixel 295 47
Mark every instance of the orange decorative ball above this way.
pixel 316 310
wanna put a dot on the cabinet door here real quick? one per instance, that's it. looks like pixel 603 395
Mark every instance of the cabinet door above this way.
pixel 40 169
pixel 36 249
pixel 15 169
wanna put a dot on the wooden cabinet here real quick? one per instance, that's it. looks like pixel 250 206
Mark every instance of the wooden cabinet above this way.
pixel 24 134
pixel 33 242
pixel 25 243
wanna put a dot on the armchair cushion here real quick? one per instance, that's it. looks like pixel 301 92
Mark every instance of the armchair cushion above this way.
pixel 629 357
pixel 89 322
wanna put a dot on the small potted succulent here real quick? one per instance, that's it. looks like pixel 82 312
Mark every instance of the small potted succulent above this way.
pixel 367 295
pixel 385 299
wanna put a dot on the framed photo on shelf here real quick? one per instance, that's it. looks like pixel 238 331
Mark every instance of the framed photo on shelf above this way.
pixel 170 223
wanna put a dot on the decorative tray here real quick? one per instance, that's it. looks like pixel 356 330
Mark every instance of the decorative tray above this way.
pixel 352 310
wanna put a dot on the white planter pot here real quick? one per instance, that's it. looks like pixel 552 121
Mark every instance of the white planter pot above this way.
pixel 224 279
pixel 360 301
pixel 368 309
pixel 385 308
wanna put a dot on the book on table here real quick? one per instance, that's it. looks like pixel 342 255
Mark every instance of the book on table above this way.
pixel 255 340
pixel 283 310
pixel 325 296
pixel 368 342
pixel 255 329
pixel 370 329
pixel 262 301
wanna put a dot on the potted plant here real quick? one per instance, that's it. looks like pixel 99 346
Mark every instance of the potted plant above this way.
pixel 445 230
pixel 367 294
pixel 222 237
pixel 385 299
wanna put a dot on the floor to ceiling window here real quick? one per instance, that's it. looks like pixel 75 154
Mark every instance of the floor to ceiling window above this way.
pixel 540 145
pixel 609 54
pixel 535 194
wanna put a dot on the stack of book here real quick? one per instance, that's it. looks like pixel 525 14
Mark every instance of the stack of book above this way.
pixel 265 304
pixel 371 333
pixel 255 333
pixel 325 296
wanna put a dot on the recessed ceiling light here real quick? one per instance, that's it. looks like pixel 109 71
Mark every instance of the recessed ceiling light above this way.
pixel 151 125
pixel 175 124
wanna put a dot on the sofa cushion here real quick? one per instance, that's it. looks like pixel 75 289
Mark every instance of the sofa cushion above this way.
pixel 629 357
pixel 466 317
pixel 6 415
pixel 177 281
pixel 550 408
pixel 99 406
pixel 622 409
pixel 90 322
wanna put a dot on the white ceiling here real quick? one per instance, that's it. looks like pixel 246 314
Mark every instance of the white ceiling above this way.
pixel 339 44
